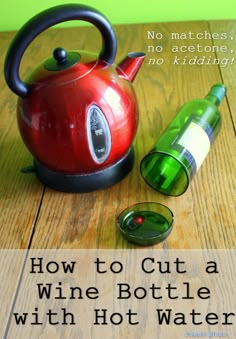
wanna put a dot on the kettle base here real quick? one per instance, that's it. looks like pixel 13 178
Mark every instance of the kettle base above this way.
pixel 88 182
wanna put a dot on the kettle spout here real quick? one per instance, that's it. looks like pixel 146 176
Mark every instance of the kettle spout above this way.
pixel 129 66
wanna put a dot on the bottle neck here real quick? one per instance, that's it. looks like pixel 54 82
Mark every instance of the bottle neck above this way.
pixel 214 100
pixel 216 94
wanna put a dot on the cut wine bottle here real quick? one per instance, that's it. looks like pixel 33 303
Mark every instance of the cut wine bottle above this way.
pixel 182 148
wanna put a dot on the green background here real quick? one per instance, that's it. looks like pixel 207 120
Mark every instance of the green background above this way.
pixel 14 13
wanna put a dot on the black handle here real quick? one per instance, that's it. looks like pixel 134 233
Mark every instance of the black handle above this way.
pixel 46 19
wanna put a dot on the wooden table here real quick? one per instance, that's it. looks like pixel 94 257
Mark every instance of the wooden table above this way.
pixel 33 216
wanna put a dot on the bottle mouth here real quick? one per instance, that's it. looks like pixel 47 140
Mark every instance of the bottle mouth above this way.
pixel 136 54
pixel 164 173
pixel 218 91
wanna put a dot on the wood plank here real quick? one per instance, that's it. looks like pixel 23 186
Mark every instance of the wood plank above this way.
pixel 20 195
pixel 204 214
pixel 228 67
pixel 12 262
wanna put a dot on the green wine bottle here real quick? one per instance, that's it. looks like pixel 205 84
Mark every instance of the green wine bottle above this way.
pixel 182 148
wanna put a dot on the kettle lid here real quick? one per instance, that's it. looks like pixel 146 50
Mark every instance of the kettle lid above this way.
pixel 63 67
pixel 61 60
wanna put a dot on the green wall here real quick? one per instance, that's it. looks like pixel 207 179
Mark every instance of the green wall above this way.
pixel 14 13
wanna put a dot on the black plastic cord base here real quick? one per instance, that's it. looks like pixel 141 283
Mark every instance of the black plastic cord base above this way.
pixel 81 183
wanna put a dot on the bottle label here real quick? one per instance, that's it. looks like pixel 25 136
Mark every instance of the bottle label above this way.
pixel 195 141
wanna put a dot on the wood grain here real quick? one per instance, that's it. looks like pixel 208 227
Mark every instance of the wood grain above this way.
pixel 204 215
pixel 20 195
pixel 34 216
pixel 229 70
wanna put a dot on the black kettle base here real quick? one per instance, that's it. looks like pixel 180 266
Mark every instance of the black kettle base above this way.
pixel 88 182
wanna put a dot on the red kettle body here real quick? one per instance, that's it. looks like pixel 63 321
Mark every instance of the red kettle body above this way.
pixel 77 111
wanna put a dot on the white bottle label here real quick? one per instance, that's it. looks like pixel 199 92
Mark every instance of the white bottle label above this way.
pixel 196 141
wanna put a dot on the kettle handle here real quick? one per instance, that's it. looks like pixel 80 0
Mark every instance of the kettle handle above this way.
pixel 46 19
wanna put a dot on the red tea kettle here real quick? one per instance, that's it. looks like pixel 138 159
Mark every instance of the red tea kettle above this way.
pixel 77 111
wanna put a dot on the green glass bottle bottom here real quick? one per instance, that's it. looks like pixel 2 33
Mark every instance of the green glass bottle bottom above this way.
pixel 145 223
